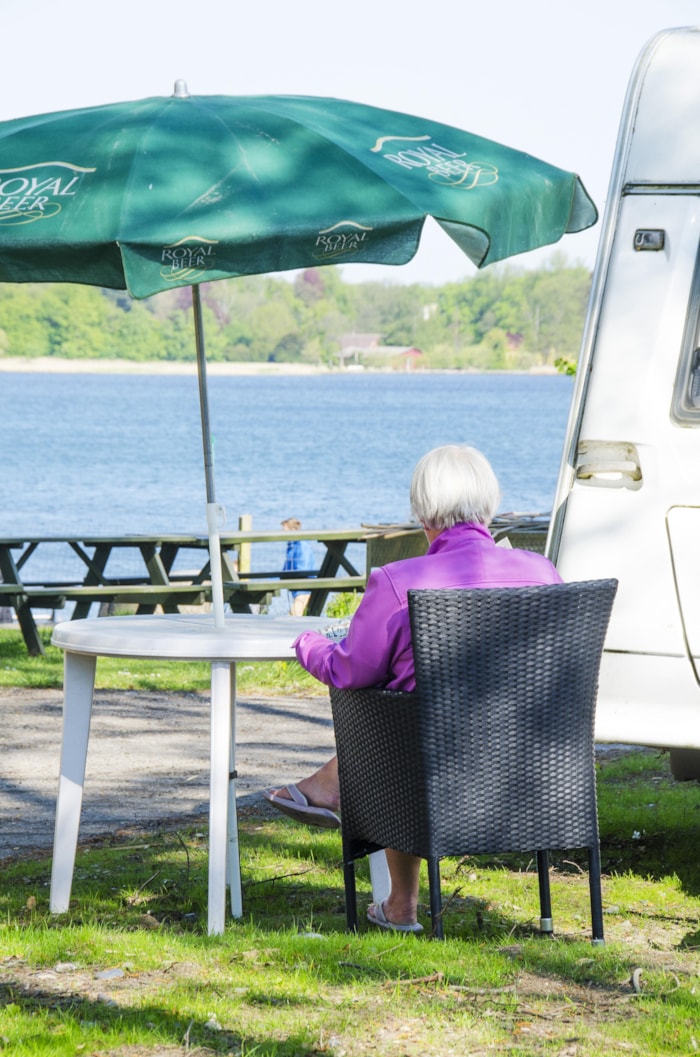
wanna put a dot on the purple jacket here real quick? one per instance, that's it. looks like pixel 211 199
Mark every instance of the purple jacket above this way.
pixel 377 649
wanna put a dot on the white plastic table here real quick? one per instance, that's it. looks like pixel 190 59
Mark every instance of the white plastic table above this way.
pixel 176 637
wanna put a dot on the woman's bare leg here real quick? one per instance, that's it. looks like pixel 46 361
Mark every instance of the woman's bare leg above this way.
pixel 401 905
pixel 320 788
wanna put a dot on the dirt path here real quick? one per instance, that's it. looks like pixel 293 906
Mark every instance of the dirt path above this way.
pixel 148 758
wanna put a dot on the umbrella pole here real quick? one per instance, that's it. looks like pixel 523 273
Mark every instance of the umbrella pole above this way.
pixel 215 512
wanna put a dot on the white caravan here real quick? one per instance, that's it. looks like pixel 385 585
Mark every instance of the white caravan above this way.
pixel 628 496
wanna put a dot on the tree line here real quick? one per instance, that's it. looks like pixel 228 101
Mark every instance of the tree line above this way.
pixel 503 318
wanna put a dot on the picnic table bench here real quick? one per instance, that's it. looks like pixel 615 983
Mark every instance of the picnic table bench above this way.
pixel 159 582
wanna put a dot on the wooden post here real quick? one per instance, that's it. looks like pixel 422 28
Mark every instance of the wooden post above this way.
pixel 245 524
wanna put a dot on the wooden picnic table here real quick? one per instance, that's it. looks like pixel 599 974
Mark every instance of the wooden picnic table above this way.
pixel 159 581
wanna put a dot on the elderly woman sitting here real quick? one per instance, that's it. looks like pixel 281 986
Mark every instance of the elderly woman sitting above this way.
pixel 454 496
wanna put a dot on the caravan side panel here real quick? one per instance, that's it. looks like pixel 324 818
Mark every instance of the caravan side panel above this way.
pixel 628 502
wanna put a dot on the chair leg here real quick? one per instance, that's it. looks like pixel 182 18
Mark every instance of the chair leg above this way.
pixel 435 898
pixel 350 894
pixel 546 924
pixel 597 938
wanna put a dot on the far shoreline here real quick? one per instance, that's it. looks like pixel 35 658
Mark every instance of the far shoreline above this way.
pixel 63 365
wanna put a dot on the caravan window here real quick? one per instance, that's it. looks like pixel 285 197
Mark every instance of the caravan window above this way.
pixel 686 391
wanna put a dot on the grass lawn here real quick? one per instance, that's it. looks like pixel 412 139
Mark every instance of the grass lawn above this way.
pixel 17 668
pixel 130 971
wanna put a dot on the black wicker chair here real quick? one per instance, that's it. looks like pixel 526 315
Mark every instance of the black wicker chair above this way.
pixel 494 751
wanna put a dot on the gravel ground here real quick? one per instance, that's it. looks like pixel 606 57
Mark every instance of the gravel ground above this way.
pixel 148 758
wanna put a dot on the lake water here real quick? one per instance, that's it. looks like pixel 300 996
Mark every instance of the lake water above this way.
pixel 115 454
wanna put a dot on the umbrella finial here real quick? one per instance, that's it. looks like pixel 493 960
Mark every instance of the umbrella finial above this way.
pixel 181 90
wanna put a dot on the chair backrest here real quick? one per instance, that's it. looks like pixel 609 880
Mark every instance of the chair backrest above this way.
pixel 494 751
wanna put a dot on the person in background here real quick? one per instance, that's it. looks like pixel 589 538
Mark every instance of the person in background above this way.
pixel 299 556
pixel 454 495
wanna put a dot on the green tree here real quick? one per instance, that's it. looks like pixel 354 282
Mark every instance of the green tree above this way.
pixel 555 300
pixel 26 333
pixel 501 318
pixel 78 319
pixel 139 335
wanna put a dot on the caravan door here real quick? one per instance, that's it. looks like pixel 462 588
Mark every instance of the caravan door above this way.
pixel 628 497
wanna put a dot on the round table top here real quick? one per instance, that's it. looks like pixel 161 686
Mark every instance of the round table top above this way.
pixel 244 636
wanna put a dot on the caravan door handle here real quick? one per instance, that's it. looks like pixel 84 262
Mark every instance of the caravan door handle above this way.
pixel 610 463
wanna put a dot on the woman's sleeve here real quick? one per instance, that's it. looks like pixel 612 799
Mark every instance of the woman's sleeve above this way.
pixel 365 656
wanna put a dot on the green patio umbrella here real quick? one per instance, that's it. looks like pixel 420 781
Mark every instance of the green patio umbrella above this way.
pixel 175 191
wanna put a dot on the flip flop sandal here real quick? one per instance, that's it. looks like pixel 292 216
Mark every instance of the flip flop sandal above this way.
pixel 376 916
pixel 301 810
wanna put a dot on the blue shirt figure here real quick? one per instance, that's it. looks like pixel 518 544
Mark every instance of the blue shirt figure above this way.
pixel 299 555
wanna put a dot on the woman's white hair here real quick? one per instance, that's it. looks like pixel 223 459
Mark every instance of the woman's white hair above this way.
pixel 454 484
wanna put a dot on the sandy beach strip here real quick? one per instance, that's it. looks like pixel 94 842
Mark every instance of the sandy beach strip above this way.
pixel 58 365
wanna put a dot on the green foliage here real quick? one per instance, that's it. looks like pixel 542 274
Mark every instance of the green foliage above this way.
pixel 343 605
pixel 565 366
pixel 503 318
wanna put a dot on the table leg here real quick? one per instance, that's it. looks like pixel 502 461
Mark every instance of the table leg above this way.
pixel 78 686
pixel 234 856
pixel 222 807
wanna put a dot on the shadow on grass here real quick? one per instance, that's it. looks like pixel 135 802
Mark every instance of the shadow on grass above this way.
pixel 292 876
pixel 649 822
pixel 151 1024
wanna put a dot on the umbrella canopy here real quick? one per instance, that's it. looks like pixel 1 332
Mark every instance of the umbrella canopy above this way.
pixel 175 191
pixel 171 191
